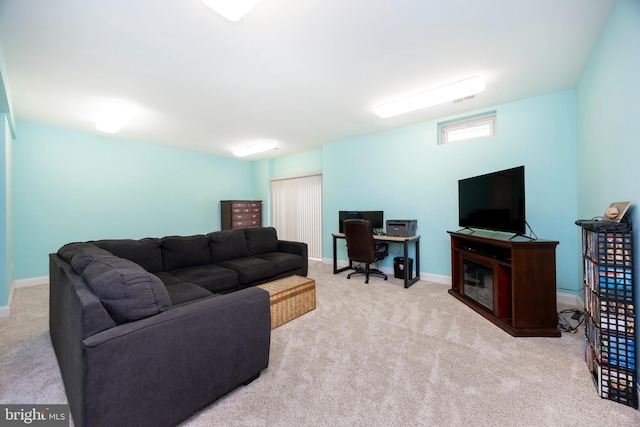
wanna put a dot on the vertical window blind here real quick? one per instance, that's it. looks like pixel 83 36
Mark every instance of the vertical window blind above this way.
pixel 297 210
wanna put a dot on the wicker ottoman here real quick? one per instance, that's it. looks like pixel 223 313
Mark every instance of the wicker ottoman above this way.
pixel 290 297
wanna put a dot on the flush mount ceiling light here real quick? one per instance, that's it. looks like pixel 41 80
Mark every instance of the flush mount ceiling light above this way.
pixel 114 116
pixel 439 95
pixel 255 148
pixel 233 10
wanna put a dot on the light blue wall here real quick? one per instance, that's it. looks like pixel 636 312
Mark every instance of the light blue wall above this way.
pixel 5 284
pixel 6 228
pixel 608 114
pixel 310 161
pixel 608 132
pixel 408 175
pixel 6 255
pixel 71 186
pixel 262 172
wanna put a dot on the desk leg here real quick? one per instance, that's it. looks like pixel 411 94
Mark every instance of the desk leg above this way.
pixel 335 256
pixel 417 259
pixel 407 272
pixel 337 270
pixel 408 282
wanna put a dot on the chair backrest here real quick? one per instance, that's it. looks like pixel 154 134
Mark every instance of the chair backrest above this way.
pixel 360 243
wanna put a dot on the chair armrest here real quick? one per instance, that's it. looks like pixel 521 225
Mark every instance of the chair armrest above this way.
pixel 382 250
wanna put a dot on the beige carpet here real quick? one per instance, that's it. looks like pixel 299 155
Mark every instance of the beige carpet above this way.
pixel 369 355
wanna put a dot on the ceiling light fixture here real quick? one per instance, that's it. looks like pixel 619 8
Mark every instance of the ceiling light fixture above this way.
pixel 260 147
pixel 114 116
pixel 233 10
pixel 439 95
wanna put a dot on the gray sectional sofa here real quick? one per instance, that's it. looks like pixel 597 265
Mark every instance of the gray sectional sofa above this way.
pixel 147 332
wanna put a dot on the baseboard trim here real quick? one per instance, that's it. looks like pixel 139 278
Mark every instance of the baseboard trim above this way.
pixel 33 281
pixel 437 278
pixel 5 310
pixel 569 299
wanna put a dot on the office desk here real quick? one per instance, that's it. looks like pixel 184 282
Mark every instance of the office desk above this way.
pixel 387 239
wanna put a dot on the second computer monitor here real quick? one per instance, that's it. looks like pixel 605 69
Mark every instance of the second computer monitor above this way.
pixel 376 218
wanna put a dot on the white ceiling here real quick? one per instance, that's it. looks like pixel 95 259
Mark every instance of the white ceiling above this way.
pixel 300 72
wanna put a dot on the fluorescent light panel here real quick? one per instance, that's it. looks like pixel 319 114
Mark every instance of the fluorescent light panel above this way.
pixel 260 147
pixel 439 95
pixel 115 116
pixel 233 10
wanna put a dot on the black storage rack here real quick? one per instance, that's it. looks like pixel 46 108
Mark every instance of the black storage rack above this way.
pixel 607 252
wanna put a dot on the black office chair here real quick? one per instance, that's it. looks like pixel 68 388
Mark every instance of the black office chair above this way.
pixel 362 247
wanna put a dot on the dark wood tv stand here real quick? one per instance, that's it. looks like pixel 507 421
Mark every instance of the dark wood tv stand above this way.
pixel 523 280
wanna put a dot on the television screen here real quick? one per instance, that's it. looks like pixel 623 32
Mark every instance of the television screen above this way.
pixel 376 218
pixel 494 201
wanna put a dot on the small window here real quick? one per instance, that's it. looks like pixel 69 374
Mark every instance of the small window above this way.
pixel 468 128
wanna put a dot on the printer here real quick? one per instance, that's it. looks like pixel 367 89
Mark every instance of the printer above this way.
pixel 401 227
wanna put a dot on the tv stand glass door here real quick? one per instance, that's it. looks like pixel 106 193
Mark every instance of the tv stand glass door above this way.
pixel 477 283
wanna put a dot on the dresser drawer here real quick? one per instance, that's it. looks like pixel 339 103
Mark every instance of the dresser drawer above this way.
pixel 239 210
pixel 246 223
pixel 244 205
pixel 245 216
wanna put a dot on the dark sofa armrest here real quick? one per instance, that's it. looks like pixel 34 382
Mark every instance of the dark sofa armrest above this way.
pixel 296 248
pixel 186 357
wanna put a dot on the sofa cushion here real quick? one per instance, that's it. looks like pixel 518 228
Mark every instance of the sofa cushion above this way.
pixel 144 252
pixel 228 244
pixel 126 290
pixel 183 292
pixel 180 252
pixel 283 261
pixel 211 277
pixel 250 269
pixel 261 240
pixel 168 279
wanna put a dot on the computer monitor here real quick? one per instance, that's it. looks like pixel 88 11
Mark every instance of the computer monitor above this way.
pixel 376 218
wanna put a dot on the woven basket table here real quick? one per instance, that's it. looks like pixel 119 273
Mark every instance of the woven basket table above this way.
pixel 290 297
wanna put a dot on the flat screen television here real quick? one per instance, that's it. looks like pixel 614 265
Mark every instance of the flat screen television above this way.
pixel 376 218
pixel 493 201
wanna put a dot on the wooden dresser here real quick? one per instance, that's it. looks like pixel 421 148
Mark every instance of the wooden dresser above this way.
pixel 240 214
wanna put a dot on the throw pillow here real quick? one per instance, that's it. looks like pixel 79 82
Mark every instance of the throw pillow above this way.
pixel 68 251
pixel 127 291
pixel 82 258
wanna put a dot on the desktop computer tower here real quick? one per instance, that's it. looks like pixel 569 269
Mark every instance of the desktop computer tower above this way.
pixel 401 227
